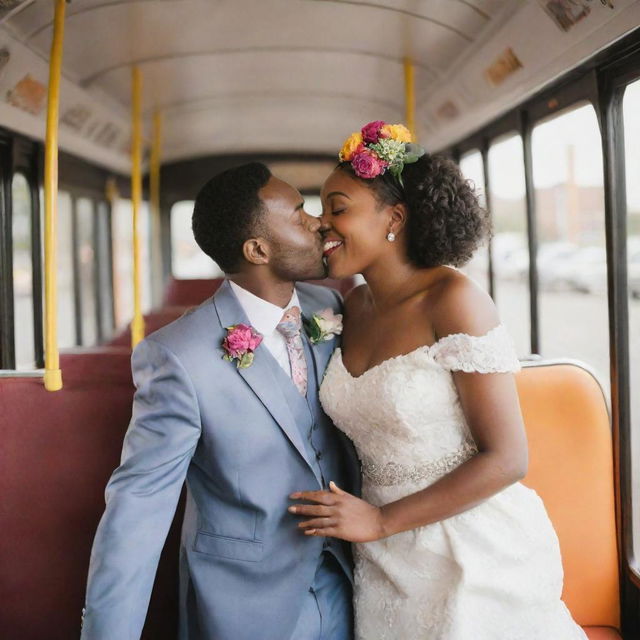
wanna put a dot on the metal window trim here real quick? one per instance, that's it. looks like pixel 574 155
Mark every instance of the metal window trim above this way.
pixel 75 261
pixel 7 342
pixel 97 270
pixel 34 180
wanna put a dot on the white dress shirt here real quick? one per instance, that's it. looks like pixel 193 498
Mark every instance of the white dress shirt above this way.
pixel 264 318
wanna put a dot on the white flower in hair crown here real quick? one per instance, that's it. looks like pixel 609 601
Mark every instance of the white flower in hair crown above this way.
pixel 324 325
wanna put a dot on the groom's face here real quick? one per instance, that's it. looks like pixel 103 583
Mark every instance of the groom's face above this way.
pixel 293 236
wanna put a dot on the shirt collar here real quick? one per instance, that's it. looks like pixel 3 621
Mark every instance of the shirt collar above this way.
pixel 263 315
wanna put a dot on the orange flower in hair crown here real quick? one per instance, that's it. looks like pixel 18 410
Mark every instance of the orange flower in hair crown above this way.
pixel 380 146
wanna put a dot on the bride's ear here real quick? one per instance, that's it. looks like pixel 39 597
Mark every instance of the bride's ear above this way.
pixel 398 218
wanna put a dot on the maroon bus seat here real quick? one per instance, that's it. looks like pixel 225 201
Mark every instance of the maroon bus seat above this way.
pixel 59 450
pixel 153 321
pixel 187 293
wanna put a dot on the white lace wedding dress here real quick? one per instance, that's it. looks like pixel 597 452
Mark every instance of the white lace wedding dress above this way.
pixel 491 573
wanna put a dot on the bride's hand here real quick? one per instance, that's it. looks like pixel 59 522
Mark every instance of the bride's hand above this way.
pixel 338 514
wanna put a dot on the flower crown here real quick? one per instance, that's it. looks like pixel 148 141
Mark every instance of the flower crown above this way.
pixel 380 146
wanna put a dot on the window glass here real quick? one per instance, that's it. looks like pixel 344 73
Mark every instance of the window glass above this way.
pixel 64 257
pixel 22 273
pixel 631 113
pixel 571 261
pixel 478 267
pixel 509 246
pixel 313 205
pixel 86 270
pixel 187 259
pixel 123 259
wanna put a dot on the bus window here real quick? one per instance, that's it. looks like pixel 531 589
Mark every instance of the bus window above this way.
pixel 123 260
pixel 313 205
pixel 187 260
pixel 631 114
pixel 571 260
pixel 509 246
pixel 22 273
pixel 64 256
pixel 86 259
pixel 472 169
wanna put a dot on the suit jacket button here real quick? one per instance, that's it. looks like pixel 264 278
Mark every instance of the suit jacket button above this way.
pixel 319 455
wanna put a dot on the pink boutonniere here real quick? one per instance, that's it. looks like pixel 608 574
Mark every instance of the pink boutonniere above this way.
pixel 324 325
pixel 239 345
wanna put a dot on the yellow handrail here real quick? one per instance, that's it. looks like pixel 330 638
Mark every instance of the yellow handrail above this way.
pixel 154 198
pixel 410 97
pixel 52 373
pixel 137 324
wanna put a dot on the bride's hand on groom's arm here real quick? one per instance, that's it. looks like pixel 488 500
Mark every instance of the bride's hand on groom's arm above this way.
pixel 338 514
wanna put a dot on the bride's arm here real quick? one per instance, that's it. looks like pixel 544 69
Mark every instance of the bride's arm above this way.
pixel 491 408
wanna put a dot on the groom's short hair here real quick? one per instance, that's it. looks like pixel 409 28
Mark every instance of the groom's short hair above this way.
pixel 228 211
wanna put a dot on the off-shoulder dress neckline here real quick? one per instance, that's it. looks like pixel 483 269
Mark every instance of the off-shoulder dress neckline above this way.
pixel 425 347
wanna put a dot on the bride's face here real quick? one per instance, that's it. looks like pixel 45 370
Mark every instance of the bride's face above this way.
pixel 354 225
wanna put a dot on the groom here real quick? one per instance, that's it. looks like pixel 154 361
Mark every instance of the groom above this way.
pixel 245 431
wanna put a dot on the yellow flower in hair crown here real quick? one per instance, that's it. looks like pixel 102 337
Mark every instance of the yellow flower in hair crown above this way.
pixel 379 147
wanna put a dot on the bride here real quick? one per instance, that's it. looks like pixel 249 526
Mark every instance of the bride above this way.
pixel 449 544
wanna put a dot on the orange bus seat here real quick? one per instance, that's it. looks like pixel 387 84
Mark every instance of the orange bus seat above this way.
pixel 571 468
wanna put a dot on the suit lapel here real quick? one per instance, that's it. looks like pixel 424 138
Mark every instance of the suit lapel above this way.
pixel 260 375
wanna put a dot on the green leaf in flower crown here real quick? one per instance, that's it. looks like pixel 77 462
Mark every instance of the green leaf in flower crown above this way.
pixel 396 171
pixel 413 152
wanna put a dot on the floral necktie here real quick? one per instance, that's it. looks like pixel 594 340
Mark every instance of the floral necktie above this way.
pixel 290 327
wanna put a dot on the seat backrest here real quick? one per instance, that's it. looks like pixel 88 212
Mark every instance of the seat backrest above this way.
pixel 58 451
pixel 154 320
pixel 571 468
pixel 187 293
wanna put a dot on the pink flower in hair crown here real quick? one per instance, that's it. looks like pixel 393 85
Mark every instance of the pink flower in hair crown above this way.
pixel 367 165
pixel 240 344
pixel 371 131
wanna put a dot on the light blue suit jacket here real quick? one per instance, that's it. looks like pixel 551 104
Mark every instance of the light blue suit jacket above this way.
pixel 242 440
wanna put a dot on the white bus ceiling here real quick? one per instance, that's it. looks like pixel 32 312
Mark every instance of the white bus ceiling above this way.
pixel 236 76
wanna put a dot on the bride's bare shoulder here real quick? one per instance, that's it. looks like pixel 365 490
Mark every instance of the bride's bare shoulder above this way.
pixel 460 305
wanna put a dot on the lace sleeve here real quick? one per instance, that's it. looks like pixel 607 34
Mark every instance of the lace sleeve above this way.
pixel 491 353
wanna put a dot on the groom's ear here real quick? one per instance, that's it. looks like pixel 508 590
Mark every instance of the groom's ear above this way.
pixel 256 251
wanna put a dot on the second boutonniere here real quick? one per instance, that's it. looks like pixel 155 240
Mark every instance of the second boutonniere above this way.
pixel 239 345
pixel 324 325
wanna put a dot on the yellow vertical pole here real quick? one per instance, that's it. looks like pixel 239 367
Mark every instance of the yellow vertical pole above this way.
pixel 410 97
pixel 52 373
pixel 137 324
pixel 154 193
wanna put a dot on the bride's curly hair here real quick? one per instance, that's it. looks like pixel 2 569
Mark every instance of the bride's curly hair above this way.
pixel 446 223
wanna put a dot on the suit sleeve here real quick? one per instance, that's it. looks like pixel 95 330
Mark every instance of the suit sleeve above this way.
pixel 142 495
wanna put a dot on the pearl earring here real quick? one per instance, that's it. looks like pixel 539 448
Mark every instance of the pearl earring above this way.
pixel 391 236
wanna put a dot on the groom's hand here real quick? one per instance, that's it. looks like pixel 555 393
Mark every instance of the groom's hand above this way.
pixel 338 514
